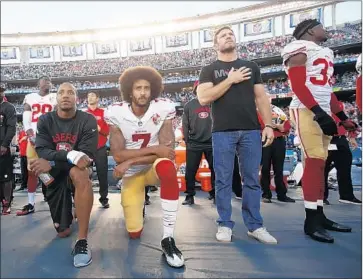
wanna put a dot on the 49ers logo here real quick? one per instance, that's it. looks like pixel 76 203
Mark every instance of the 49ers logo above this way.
pixel 156 119
pixel 63 146
pixel 203 114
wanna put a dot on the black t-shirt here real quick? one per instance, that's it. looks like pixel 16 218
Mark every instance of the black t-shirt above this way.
pixel 57 136
pixel 236 109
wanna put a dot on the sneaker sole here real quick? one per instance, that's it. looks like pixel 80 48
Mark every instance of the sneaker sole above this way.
pixel 264 242
pixel 83 265
pixel 170 264
pixel 21 214
pixel 349 202
pixel 224 240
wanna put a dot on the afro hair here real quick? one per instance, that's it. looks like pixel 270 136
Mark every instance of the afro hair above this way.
pixel 129 76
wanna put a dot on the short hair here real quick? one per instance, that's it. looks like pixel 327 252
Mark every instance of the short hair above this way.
pixel 44 78
pixel 219 30
pixel 130 75
pixel 304 26
pixel 93 92
pixel 70 84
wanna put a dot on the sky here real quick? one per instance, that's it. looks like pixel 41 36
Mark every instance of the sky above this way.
pixel 43 16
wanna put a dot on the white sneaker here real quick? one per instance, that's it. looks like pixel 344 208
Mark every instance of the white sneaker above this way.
pixel 224 234
pixel 262 235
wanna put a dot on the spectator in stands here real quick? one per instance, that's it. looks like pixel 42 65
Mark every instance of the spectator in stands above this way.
pixel 178 59
pixel 236 127
pixel 101 160
pixel 22 142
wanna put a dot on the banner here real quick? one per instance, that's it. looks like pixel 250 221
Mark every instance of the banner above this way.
pixel 106 48
pixel 296 18
pixel 141 45
pixel 8 53
pixel 258 27
pixel 208 36
pixel 177 40
pixel 72 50
pixel 39 52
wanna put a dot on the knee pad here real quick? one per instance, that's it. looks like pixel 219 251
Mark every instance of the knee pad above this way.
pixel 166 172
pixel 135 235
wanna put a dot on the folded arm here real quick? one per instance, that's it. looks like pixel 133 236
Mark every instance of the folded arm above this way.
pixel 118 147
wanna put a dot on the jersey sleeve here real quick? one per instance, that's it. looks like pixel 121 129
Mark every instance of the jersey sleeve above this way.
pixel 26 100
pixel 110 115
pixel 295 47
pixel 170 110
pixel 53 99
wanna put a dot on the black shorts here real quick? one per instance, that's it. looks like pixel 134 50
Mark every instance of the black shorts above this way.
pixel 59 197
pixel 6 167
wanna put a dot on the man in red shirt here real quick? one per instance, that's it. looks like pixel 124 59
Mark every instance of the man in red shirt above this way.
pixel 101 160
pixel 275 155
pixel 339 153
pixel 23 141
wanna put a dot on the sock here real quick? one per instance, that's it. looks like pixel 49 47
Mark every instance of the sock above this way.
pixel 169 194
pixel 31 198
pixel 313 181
pixel 320 203
pixel 170 208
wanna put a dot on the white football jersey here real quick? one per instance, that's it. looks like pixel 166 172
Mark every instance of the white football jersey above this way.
pixel 319 71
pixel 140 132
pixel 358 65
pixel 40 105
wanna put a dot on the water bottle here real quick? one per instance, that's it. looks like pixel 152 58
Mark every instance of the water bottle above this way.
pixel 46 178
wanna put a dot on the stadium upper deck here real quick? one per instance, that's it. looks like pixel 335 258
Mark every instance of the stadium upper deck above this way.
pixel 255 22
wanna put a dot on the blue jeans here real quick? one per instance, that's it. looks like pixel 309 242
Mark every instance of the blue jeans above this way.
pixel 248 145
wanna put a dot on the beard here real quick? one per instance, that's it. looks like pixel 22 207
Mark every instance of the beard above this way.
pixel 141 102
pixel 229 49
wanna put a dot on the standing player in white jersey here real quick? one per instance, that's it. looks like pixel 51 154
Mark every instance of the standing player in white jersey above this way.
pixel 35 105
pixel 310 67
pixel 142 143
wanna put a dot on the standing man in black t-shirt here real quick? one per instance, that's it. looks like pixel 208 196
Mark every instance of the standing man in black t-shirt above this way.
pixel 66 143
pixel 234 88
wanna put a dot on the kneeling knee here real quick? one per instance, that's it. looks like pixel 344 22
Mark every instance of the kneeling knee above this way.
pixel 77 175
pixel 135 235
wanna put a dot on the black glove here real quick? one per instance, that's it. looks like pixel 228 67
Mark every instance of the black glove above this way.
pixel 325 121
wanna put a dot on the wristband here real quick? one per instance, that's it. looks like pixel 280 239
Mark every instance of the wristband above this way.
pixel 74 156
pixel 342 116
pixel 269 126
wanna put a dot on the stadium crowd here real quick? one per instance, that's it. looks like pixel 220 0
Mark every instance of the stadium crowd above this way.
pixel 345 81
pixel 346 34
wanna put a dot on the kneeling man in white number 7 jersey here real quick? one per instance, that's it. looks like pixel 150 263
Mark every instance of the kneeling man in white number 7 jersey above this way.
pixel 142 144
